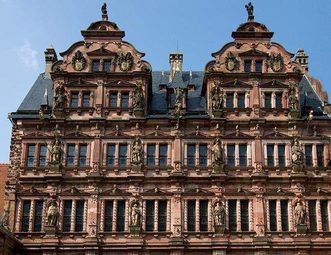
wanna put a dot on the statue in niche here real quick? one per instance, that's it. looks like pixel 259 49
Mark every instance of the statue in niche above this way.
pixel 217 98
pixel 137 152
pixel 296 155
pixel 135 214
pixel 292 98
pixel 60 98
pixel 56 152
pixel 219 214
pixel 52 214
pixel 5 218
pixel 138 98
pixel 179 92
pixel 217 152
pixel 300 214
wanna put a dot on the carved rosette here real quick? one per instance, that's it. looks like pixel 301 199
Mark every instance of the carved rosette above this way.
pixel 125 61
pixel 78 61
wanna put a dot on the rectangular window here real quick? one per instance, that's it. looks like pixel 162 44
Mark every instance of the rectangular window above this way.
pixel 243 154
pixel 230 155
pixel 150 154
pixel 67 215
pixel 162 215
pixel 42 155
pixel 203 215
pixel 86 100
pixel 79 220
pixel 191 155
pixel 308 155
pixel 108 216
pixel 74 100
pixel 229 100
pixel 70 155
pixel 150 206
pixel 26 215
pixel 284 214
pixel 272 215
pixel 279 104
pixel 203 155
pixel 281 155
pixel 122 157
pixel 191 215
pixel 270 155
pixel 107 66
pixel 320 155
pixel 82 155
pixel 267 101
pixel 241 100
pixel 30 157
pixel 125 100
pixel 95 65
pixel 163 154
pixel 120 217
pixel 38 214
pixel 312 214
pixel 232 215
pixel 324 215
pixel 258 66
pixel 244 215
pixel 113 100
pixel 111 155
pixel 247 66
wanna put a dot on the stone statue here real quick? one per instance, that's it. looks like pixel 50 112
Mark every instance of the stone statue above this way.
pixel 135 214
pixel 56 152
pixel 250 9
pixel 60 98
pixel 5 218
pixel 137 152
pixel 219 214
pixel 217 99
pixel 179 92
pixel 104 9
pixel 52 214
pixel 292 98
pixel 217 152
pixel 138 98
pixel 300 214
pixel 296 155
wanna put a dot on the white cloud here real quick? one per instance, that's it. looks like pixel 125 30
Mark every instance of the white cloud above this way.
pixel 28 56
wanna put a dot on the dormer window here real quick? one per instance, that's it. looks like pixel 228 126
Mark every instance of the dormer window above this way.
pixel 96 65
pixel 258 66
pixel 247 66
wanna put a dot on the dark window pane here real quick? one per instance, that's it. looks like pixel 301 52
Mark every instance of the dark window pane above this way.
pixel 74 100
pixel 38 212
pixel 270 155
pixel 203 215
pixel 312 215
pixel 150 215
pixel 272 215
pixel 108 221
pixel 247 66
pixel 82 154
pixel 107 66
pixel 67 215
pixel 79 220
pixel 267 100
pixel 191 155
pixel 241 100
pixel 232 215
pixel 258 66
pixel 284 214
pixel 244 215
pixel 71 155
pixel 163 154
pixel 231 155
pixel 191 215
pixel 30 157
pixel 86 100
pixel 122 156
pixel 26 215
pixel 320 155
pixel 229 100
pixel 125 100
pixel 42 155
pixel 242 154
pixel 151 154
pixel 113 100
pixel 111 155
pixel 120 217
pixel 324 215
pixel 279 101
pixel 203 155
pixel 162 215
pixel 308 155
pixel 95 65
pixel 281 155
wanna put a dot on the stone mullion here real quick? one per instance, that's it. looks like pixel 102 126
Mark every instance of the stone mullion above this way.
pixel 268 214
pixel 287 152
pixel 80 97
pixel 290 216
pixel 276 161
pixel 197 154
pixel 130 98
pixel 117 155
pixel 284 100
pixel 273 99
pixel 73 216
pixel 168 215
pixel 247 103
pixel 251 215
pixel 265 154
pixel 102 215
pixel 156 215
pixel 278 216
pixel 238 215
pixel 76 161
pixel 185 215
pixel 126 216
pixel 157 154
pixel 185 154
pixel 227 213
pixel 61 213
pixel 119 98
pixel 326 154
pixel 169 151
pixel 114 215
pixel 197 217
pixel 31 218
pixel 85 215
pixel 19 216
pixel 236 153
pixel 262 100
pixel 318 215
pixel 210 216
pixel 104 154
pixel 143 216
pixel 235 99
pixel 249 154
pixel 43 219
pixel 314 155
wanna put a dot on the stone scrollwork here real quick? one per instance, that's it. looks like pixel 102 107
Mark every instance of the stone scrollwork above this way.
pixel 276 62
pixel 125 61
pixel 78 61
pixel 231 62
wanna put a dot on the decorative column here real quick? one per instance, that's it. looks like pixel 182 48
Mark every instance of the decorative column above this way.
pixel 290 216
pixel 44 213
pixel 238 215
pixel 318 215
pixel 31 219
pixel 249 154
pixel 19 216
pixel 61 211
pixel 102 215
pixel 273 100
pixel 210 216
pixel 278 216
pixel 157 154
pixel 251 215
pixel 314 155
pixel 73 216
pixel 126 220
pixel 119 98
pixel 197 215
pixel 185 215
pixel 326 154
pixel 168 216
pixel 91 203
pixel 276 161
pixel 235 99
pixel 156 215
pixel 143 216
pixel 117 156
pixel 236 153
pixel 114 215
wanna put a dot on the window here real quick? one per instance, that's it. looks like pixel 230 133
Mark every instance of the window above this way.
pixel 120 217
pixel 267 101
pixel 258 66
pixel 86 99
pixel 272 215
pixel 308 155
pixel 244 215
pixel 162 214
pixel 151 155
pixel 122 157
pixel 71 155
pixel 150 215
pixel 229 100
pixel 38 214
pixel 67 215
pixel 26 215
pixel 320 155
pixel 279 104
pixel 95 65
pixel 191 215
pixel 108 223
pixel 230 155
pixel 284 214
pixel 270 155
pixel 191 155
pixel 203 155
pixel 232 215
pixel 324 215
pixel 312 215
pixel 242 154
pixel 42 155
pixel 241 100
pixel 281 155
pixel 163 154
pixel 111 155
pixel 74 100
pixel 125 100
pixel 82 155
pixel 113 100
pixel 107 66
pixel 79 220
pixel 30 157
pixel 247 66
pixel 203 215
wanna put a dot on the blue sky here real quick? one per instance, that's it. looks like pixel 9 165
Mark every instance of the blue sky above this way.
pixel 199 26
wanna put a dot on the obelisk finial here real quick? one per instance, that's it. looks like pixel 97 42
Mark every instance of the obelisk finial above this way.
pixel 250 10
pixel 104 11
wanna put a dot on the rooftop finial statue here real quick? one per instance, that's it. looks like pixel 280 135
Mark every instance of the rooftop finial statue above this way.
pixel 250 10
pixel 104 11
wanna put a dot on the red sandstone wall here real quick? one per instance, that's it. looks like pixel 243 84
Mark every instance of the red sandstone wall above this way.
pixel 3 178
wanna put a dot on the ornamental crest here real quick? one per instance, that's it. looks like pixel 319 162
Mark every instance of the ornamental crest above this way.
pixel 231 62
pixel 276 62
pixel 78 61
pixel 125 61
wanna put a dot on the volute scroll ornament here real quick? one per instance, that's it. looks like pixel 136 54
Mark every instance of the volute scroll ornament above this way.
pixel 78 61
pixel 125 61
pixel 231 62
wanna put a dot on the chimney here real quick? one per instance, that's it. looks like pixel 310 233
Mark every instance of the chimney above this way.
pixel 301 58
pixel 176 64
pixel 50 59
